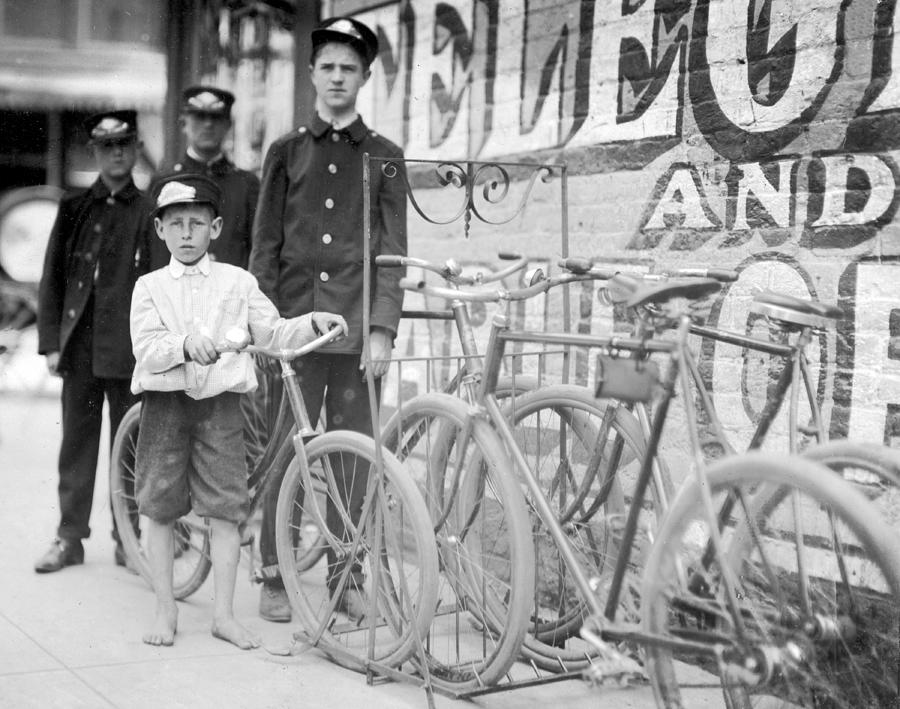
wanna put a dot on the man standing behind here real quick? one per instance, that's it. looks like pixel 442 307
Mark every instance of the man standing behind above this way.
pixel 308 256
pixel 206 120
pixel 96 252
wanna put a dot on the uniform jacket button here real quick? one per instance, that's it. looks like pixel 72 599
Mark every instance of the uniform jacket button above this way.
pixel 326 238
pixel 335 137
pixel 323 276
pixel 329 203
pixel 332 168
pixel 71 313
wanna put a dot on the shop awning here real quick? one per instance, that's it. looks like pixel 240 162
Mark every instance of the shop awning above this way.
pixel 68 82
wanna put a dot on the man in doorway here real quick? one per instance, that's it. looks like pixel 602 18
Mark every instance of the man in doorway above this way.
pixel 205 121
pixel 307 255
pixel 96 252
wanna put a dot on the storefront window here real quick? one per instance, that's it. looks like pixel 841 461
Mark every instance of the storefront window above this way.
pixel 33 19
pixel 134 21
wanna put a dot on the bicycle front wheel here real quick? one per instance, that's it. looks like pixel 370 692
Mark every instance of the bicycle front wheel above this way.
pixel 479 517
pixel 192 560
pixel 381 550
pixel 873 469
pixel 812 618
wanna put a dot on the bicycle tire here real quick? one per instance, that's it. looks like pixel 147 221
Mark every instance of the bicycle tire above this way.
pixel 789 658
pixel 873 469
pixel 192 560
pixel 407 567
pixel 557 428
pixel 484 541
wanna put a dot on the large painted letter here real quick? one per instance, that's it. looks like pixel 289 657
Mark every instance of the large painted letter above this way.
pixel 753 90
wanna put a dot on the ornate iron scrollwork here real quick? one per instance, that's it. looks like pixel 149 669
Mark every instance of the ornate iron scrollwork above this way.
pixel 493 178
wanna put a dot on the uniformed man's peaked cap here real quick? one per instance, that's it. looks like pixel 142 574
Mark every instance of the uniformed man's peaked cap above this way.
pixel 111 125
pixel 207 99
pixel 346 30
pixel 186 188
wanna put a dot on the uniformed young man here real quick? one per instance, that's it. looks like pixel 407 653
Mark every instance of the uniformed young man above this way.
pixel 206 120
pixel 96 252
pixel 308 255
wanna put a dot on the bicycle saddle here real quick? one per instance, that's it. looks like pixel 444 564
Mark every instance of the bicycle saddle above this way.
pixel 691 289
pixel 795 311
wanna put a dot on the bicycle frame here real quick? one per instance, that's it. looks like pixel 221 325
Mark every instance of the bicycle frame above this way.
pixel 676 377
pixel 796 370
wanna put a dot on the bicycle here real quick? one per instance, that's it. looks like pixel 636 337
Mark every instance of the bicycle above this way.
pixel 558 438
pixel 337 475
pixel 719 608
pixel 557 428
pixel 793 323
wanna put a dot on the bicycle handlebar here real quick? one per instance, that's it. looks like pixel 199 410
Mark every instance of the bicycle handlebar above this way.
pixel 491 296
pixel 451 271
pixel 232 343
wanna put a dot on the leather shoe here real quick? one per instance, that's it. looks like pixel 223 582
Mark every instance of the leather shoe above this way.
pixel 354 604
pixel 274 605
pixel 62 552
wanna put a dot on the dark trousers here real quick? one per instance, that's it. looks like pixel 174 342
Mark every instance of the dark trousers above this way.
pixel 82 408
pixel 336 380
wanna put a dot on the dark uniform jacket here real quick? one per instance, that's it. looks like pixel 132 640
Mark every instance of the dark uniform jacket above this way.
pixel 97 248
pixel 240 190
pixel 309 230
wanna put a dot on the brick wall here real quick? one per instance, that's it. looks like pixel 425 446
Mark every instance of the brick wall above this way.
pixel 760 135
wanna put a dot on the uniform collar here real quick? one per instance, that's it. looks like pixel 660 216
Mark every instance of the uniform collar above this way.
pixel 178 269
pixel 129 192
pixel 192 163
pixel 192 154
pixel 355 131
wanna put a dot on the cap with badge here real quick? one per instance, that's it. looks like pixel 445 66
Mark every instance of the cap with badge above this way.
pixel 207 100
pixel 186 189
pixel 111 127
pixel 346 30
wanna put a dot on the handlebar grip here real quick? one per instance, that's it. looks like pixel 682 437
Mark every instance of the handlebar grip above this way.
pixel 603 274
pixel 576 264
pixel 722 274
pixel 509 256
pixel 626 281
pixel 389 260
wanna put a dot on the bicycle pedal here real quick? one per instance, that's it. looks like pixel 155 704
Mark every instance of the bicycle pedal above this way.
pixel 620 673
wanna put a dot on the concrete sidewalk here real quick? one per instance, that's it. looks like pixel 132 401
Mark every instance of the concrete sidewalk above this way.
pixel 73 638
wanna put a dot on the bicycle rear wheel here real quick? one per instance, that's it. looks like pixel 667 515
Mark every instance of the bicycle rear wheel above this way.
pixel 484 541
pixel 816 576
pixel 192 560
pixel 585 454
pixel 391 555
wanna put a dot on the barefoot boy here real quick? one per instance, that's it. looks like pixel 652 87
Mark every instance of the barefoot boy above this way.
pixel 190 452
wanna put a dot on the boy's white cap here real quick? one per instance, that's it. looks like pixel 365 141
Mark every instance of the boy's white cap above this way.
pixel 187 189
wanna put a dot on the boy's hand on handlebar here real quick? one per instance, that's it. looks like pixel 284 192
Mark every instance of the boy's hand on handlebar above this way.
pixel 324 322
pixel 200 349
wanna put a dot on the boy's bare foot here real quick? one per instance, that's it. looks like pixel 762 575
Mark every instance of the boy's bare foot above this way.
pixel 235 633
pixel 164 624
